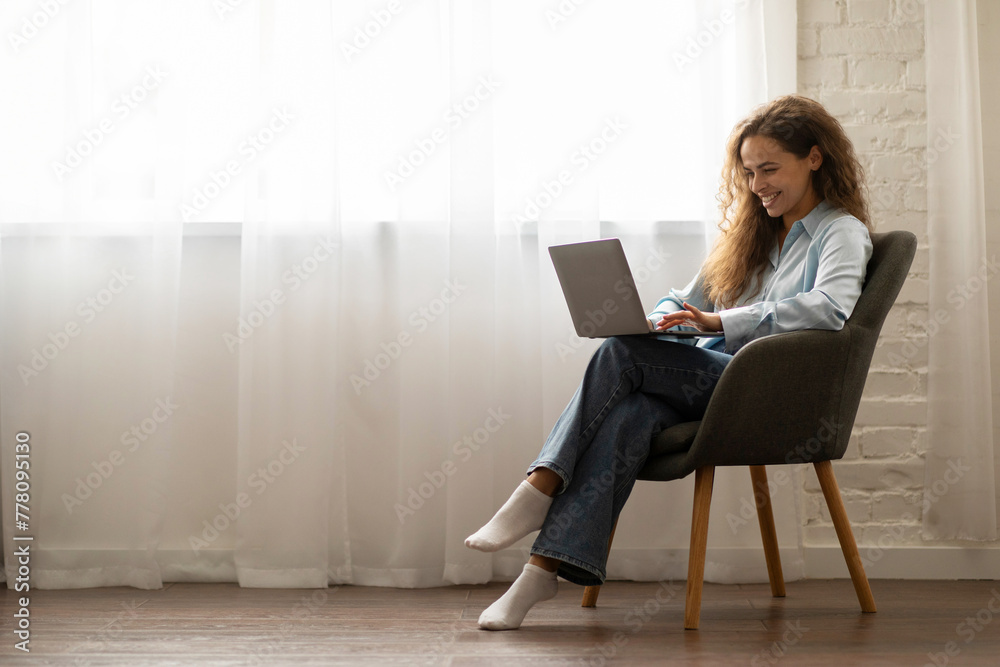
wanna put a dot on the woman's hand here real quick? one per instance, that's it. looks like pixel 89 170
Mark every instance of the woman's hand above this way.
pixel 691 317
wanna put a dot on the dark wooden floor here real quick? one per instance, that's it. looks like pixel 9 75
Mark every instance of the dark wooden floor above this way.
pixel 818 624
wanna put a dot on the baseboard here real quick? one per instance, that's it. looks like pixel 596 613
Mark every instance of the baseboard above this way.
pixel 906 562
pixel 723 565
pixel 746 564
pixel 732 565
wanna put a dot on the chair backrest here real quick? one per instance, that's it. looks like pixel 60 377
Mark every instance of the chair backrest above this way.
pixel 892 255
pixel 783 394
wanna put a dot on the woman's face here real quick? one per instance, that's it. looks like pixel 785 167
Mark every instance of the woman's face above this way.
pixel 782 181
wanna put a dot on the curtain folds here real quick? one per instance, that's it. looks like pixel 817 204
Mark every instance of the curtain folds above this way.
pixel 959 483
pixel 321 230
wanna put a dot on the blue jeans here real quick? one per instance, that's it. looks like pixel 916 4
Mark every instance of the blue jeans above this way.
pixel 634 387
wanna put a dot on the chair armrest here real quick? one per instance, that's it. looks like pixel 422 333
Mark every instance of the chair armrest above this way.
pixel 779 401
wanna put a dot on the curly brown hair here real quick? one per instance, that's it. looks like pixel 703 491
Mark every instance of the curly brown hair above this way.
pixel 796 123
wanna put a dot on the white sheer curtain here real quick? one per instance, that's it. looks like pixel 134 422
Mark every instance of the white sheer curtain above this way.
pixel 335 341
pixel 959 484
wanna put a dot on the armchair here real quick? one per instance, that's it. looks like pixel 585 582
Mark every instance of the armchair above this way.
pixel 766 411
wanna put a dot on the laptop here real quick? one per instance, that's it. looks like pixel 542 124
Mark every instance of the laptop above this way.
pixel 601 293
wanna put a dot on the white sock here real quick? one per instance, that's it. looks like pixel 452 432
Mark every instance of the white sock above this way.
pixel 523 513
pixel 535 585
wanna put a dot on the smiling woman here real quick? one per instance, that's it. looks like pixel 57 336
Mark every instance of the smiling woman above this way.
pixel 803 262
pixel 789 156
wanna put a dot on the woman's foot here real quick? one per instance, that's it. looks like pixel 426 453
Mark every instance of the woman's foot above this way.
pixel 522 514
pixel 534 585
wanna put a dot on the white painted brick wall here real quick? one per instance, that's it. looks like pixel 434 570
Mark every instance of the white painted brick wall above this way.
pixel 881 73
pixel 891 441
pixel 820 11
pixel 896 474
pixel 869 11
pixel 864 60
pixel 890 506
pixel 889 383
pixel 870 40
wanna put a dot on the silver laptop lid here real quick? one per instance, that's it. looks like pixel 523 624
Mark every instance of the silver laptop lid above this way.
pixel 600 292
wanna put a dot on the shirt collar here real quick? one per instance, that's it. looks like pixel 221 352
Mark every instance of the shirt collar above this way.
pixel 815 216
pixel 810 223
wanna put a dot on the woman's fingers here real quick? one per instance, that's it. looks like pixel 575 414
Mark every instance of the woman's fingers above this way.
pixel 674 319
pixel 700 321
pixel 691 317
pixel 698 316
pixel 704 321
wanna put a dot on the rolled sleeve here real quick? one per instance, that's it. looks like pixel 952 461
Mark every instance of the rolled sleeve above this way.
pixel 694 294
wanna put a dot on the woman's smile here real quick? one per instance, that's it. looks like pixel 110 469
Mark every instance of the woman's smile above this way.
pixel 768 198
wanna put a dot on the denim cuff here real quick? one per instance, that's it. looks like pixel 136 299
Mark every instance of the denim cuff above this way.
pixel 549 465
pixel 572 569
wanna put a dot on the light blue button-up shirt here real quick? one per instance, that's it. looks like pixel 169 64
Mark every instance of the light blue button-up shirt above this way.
pixel 812 283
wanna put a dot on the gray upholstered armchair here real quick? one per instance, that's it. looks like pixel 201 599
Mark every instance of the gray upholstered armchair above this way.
pixel 766 411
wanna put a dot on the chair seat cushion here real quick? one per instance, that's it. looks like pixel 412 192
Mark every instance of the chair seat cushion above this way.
pixel 673 440
pixel 667 453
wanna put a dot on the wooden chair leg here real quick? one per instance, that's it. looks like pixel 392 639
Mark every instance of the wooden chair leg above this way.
pixel 703 479
pixel 590 593
pixel 768 534
pixel 828 482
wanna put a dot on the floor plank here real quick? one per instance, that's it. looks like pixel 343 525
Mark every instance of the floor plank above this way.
pixel 819 623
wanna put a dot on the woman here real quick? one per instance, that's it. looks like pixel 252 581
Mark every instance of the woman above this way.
pixel 791 255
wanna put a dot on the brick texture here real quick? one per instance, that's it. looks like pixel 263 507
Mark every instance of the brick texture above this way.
pixel 864 60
